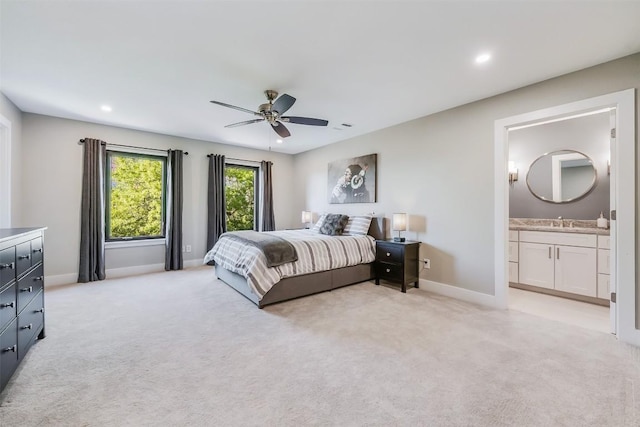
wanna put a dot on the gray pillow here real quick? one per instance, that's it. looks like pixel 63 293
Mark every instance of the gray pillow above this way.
pixel 334 224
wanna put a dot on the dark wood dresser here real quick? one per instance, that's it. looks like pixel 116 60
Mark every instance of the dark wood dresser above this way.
pixel 21 295
pixel 397 262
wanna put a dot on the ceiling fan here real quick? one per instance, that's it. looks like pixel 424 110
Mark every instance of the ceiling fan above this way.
pixel 273 111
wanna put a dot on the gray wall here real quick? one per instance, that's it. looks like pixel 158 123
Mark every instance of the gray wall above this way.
pixel 13 114
pixel 52 166
pixel 589 135
pixel 440 170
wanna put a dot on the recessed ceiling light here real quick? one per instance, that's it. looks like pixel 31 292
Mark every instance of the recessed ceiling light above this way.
pixel 279 141
pixel 482 58
pixel 106 108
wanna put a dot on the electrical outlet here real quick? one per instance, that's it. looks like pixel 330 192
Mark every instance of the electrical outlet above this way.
pixel 427 263
pixel 188 248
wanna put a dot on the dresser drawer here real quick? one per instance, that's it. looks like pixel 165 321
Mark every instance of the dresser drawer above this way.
pixel 389 253
pixel 8 352
pixel 8 305
pixel 389 271
pixel 7 265
pixel 30 322
pixel 36 251
pixel 23 258
pixel 29 286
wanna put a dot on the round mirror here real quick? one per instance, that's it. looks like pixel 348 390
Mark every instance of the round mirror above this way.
pixel 561 176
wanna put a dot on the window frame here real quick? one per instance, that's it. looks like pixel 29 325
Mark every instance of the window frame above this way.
pixel 137 240
pixel 256 188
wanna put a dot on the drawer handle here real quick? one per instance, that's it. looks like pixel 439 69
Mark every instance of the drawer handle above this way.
pixel 12 348
pixel 38 278
pixel 41 310
pixel 388 253
pixel 27 256
pixel 29 289
pixel 37 250
pixel 388 270
pixel 8 304
pixel 29 326
pixel 557 253
pixel 3 266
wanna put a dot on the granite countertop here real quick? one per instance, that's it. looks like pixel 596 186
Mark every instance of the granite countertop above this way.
pixel 553 225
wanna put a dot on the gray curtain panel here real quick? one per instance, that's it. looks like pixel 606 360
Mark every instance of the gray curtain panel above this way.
pixel 91 266
pixel 173 235
pixel 267 220
pixel 216 204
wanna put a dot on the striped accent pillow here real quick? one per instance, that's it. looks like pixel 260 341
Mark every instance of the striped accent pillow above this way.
pixel 358 225
pixel 317 225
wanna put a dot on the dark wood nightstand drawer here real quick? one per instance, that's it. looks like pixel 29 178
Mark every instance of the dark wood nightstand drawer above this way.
pixel 389 271
pixel 30 322
pixel 389 253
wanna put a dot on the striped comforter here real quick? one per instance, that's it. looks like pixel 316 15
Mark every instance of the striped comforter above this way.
pixel 316 252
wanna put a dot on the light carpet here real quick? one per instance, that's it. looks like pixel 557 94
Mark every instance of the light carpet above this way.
pixel 181 348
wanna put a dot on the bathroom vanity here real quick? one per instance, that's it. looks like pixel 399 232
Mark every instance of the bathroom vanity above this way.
pixel 565 260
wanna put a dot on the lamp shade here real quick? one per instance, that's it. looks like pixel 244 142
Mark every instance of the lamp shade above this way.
pixel 307 217
pixel 399 222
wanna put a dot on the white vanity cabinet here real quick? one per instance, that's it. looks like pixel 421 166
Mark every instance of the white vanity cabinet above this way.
pixel 604 246
pixel 513 256
pixel 565 262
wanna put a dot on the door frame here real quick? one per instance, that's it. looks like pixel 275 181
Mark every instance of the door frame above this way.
pixel 5 172
pixel 623 169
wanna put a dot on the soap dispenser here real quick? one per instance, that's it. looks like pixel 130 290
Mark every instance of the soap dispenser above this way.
pixel 602 222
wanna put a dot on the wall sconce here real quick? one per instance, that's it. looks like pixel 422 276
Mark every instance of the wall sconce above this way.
pixel 307 218
pixel 399 224
pixel 513 172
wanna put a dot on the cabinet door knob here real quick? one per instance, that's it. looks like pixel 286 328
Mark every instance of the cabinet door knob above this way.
pixel 388 253
pixel 3 266
pixel 9 304
pixel 29 326
pixel 29 289
pixel 37 250
pixel 27 256
pixel 12 348
pixel 388 270
pixel 36 279
pixel 41 310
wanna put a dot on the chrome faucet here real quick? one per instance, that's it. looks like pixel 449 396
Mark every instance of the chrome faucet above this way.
pixel 561 222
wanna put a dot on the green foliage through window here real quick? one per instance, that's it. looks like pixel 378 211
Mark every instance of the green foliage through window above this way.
pixel 240 194
pixel 135 195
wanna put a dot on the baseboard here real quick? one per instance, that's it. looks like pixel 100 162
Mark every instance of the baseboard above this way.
pixel 458 293
pixel 114 273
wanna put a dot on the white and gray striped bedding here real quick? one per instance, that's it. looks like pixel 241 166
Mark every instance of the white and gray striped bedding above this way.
pixel 316 252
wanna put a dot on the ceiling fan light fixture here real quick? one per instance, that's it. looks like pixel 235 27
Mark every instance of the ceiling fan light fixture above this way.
pixel 482 58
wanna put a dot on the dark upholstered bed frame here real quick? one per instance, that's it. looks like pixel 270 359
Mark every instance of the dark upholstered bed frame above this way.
pixel 307 284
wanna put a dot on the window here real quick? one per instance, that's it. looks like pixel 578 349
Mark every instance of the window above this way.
pixel 135 196
pixel 241 183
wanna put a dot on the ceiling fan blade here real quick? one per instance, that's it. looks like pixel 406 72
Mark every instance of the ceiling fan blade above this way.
pixel 280 129
pixel 304 121
pixel 236 108
pixel 283 103
pixel 247 122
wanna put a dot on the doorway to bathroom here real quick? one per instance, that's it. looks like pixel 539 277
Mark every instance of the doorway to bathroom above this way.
pixel 621 241
pixel 559 185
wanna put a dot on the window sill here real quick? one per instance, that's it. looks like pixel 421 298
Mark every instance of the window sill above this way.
pixel 134 243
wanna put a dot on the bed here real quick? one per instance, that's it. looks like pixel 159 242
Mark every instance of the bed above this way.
pixel 300 283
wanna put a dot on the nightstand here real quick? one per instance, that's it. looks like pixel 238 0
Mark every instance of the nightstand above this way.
pixel 397 262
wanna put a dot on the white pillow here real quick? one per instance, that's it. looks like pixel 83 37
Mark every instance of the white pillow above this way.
pixel 317 225
pixel 358 225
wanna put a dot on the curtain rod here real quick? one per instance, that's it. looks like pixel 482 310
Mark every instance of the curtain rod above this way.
pixel 232 158
pixel 133 146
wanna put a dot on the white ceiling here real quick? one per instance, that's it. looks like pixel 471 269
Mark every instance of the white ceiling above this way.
pixel 371 64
